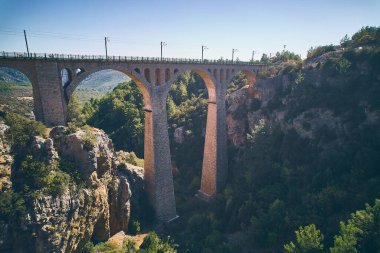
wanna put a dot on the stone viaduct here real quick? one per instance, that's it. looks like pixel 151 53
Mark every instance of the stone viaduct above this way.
pixel 153 78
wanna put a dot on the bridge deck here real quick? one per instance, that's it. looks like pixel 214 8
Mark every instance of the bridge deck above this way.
pixel 125 59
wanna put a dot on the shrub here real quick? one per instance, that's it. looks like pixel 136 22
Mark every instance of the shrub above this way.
pixel 130 157
pixel 153 244
pixel 366 36
pixel 33 175
pixel 134 227
pixel 12 205
pixel 22 131
pixel 317 51
pixel 300 77
pixel 57 182
pixel 74 111
pixel 89 138
pixel 107 247
pixel 361 232
pixel 129 245
pixel 309 240
pixel 343 65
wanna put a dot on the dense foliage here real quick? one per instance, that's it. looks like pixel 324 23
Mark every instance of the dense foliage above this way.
pixel 279 181
pixel 151 244
pixel 119 113
pixel 21 132
pixel 358 234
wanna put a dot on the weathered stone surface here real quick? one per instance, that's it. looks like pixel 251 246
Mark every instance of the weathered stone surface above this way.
pixel 5 160
pixel 96 210
pixel 179 135
pixel 99 157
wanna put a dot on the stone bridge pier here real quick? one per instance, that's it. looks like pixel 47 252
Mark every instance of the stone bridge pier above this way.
pixel 154 80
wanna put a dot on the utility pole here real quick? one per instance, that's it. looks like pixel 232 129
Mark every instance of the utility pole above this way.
pixel 203 48
pixel 253 54
pixel 233 52
pixel 26 42
pixel 106 39
pixel 162 44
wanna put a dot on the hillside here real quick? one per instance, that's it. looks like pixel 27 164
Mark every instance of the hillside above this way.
pixel 103 81
pixel 100 82
pixel 9 75
pixel 303 152
pixel 16 97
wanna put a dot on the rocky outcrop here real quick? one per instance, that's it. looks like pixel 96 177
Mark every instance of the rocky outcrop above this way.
pixel 95 209
pixel 282 102
pixel 179 135
pixel 5 160
pixel 243 106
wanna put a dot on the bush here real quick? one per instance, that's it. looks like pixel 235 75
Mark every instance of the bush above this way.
pixel 361 232
pixel 309 240
pixel 134 227
pixel 22 131
pixel 120 114
pixel 153 244
pixel 107 247
pixel 74 111
pixel 130 157
pixel 12 205
pixel 317 51
pixel 33 175
pixel 57 182
pixel 89 138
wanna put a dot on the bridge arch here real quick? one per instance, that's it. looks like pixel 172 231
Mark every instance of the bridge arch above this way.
pixel 208 185
pixel 208 79
pixel 133 74
pixel 27 75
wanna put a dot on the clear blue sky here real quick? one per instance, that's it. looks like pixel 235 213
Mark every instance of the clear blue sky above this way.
pixel 136 27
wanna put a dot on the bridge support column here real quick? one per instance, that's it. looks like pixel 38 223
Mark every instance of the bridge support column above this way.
pixel 50 92
pixel 157 159
pixel 215 161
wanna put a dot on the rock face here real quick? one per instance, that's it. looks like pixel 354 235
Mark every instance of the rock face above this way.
pixel 179 136
pixel 5 160
pixel 243 107
pixel 97 209
pixel 276 101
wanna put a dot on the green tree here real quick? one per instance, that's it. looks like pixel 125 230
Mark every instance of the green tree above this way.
pixel 264 59
pixel 74 111
pixel 21 132
pixel 120 114
pixel 153 244
pixel 32 175
pixel 12 205
pixel 308 240
pixel 361 233
pixel 366 36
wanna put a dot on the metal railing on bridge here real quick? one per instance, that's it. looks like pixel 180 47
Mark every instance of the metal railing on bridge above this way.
pixel 77 57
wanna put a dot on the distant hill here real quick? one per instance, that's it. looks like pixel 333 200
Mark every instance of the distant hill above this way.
pixel 9 75
pixel 102 81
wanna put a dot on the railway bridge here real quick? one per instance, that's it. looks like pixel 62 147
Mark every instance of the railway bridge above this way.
pixel 54 78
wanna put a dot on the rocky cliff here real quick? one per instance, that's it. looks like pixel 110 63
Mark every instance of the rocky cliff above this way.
pixel 5 160
pixel 94 209
pixel 326 104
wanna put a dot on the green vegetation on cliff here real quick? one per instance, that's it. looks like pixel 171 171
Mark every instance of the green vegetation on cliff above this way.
pixel 310 160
